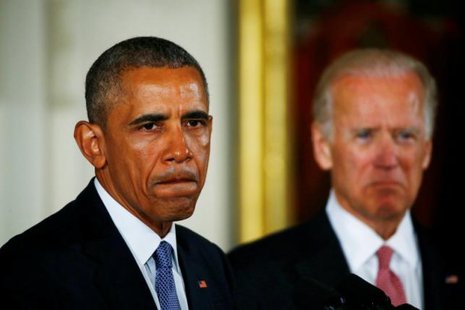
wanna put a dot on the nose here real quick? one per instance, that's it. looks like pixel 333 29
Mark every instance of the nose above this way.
pixel 177 149
pixel 386 153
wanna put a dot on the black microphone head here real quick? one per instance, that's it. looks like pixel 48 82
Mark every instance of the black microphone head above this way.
pixel 312 294
pixel 359 294
pixel 406 307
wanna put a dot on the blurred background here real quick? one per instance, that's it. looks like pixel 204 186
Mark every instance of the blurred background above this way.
pixel 261 58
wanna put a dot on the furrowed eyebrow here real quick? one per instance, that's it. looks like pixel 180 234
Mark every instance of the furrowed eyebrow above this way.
pixel 148 118
pixel 413 130
pixel 196 115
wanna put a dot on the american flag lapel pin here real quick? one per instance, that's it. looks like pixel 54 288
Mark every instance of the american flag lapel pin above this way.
pixel 203 284
pixel 452 279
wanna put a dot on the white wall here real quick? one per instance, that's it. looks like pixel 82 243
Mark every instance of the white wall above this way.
pixel 22 116
pixel 46 48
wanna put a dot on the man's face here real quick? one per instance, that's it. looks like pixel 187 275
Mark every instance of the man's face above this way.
pixel 379 149
pixel 157 144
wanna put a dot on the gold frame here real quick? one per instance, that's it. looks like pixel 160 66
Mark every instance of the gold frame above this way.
pixel 264 172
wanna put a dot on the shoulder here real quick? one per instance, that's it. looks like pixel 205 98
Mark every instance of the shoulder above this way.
pixel 443 268
pixel 33 256
pixel 313 234
pixel 42 235
pixel 267 271
pixel 56 232
pixel 270 263
pixel 193 244
pixel 184 233
pixel 268 244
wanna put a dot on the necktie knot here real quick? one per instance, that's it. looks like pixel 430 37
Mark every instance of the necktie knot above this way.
pixel 384 257
pixel 163 255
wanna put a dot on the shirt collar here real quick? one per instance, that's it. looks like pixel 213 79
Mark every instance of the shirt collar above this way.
pixel 350 230
pixel 140 238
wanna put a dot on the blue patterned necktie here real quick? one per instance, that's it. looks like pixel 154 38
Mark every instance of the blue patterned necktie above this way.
pixel 164 281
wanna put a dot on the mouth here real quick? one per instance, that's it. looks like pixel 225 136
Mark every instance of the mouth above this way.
pixel 386 183
pixel 177 185
pixel 387 188
pixel 175 178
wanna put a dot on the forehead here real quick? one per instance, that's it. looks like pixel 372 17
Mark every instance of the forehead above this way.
pixel 166 91
pixel 162 76
pixel 402 95
pixel 183 85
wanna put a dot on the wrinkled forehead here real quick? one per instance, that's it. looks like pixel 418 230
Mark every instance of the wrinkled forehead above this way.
pixel 396 97
pixel 406 86
pixel 164 82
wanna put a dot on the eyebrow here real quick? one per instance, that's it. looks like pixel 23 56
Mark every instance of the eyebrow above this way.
pixel 196 115
pixel 148 118
pixel 155 117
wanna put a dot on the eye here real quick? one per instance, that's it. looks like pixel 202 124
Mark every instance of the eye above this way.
pixel 405 135
pixel 195 123
pixel 148 127
pixel 363 134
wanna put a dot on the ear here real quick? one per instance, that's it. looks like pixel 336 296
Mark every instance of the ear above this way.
pixel 89 137
pixel 428 154
pixel 321 147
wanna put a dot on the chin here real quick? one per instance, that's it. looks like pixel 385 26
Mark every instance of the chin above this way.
pixel 388 197
pixel 389 210
pixel 182 212
pixel 185 214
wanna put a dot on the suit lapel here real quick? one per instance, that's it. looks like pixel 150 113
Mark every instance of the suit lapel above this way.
pixel 116 274
pixel 322 258
pixel 194 274
pixel 433 277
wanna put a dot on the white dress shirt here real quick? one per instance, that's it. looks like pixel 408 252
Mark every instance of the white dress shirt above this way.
pixel 143 241
pixel 360 243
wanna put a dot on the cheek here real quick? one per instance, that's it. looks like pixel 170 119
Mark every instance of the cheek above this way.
pixel 412 160
pixel 204 140
pixel 147 148
pixel 414 169
pixel 200 147
pixel 353 165
pixel 141 158
pixel 350 158
pixel 199 144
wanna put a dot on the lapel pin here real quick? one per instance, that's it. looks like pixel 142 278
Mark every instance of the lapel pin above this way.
pixel 452 279
pixel 202 284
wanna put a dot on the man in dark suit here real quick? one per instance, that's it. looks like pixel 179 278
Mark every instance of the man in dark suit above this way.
pixel 373 124
pixel 115 246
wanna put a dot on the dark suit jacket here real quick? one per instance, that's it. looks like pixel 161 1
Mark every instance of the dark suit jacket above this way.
pixel 302 265
pixel 77 259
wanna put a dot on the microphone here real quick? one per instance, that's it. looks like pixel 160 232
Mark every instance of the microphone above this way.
pixel 312 294
pixel 361 295
pixel 352 293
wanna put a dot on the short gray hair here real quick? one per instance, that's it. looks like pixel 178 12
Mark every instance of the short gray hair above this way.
pixel 372 62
